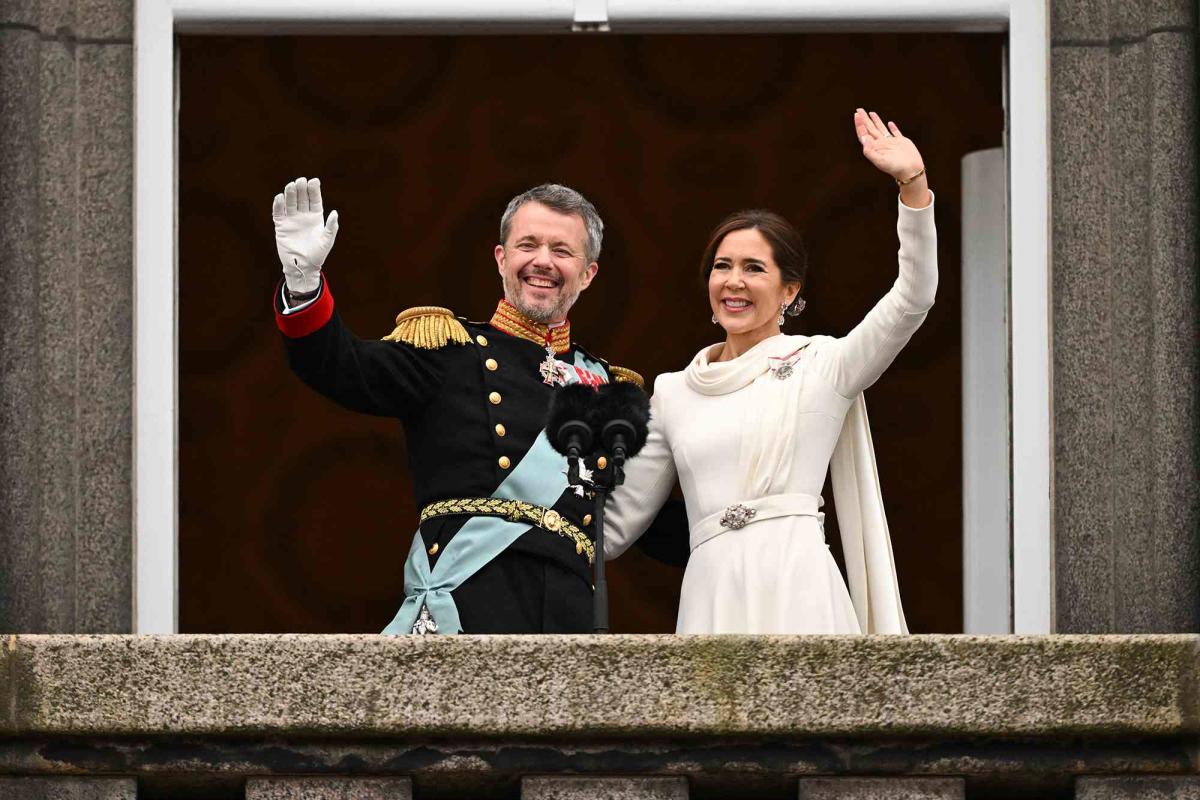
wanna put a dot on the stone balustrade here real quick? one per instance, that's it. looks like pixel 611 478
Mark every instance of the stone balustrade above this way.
pixel 554 717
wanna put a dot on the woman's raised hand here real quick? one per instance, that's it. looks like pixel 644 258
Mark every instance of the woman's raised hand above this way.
pixel 894 153
pixel 886 147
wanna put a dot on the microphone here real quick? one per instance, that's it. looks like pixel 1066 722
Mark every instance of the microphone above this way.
pixel 621 414
pixel 624 413
pixel 569 425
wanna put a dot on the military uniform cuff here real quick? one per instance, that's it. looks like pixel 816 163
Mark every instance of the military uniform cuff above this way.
pixel 307 320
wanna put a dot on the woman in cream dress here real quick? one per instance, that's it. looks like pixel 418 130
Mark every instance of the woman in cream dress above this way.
pixel 753 423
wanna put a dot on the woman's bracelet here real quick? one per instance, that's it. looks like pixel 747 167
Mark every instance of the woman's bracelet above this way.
pixel 907 181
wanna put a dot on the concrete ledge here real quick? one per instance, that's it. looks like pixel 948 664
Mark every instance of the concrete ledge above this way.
pixel 592 687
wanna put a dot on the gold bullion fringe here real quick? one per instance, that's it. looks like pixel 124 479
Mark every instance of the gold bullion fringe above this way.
pixel 428 328
pixel 624 375
pixel 514 511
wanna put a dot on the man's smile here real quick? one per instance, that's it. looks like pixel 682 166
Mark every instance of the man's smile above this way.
pixel 541 281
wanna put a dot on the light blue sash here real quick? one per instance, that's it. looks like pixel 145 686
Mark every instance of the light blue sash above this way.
pixel 540 478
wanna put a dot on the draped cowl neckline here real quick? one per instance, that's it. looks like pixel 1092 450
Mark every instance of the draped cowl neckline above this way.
pixel 708 377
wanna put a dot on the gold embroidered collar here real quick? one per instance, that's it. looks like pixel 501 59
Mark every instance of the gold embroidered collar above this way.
pixel 508 319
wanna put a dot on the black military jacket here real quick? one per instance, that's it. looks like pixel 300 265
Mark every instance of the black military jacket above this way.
pixel 470 413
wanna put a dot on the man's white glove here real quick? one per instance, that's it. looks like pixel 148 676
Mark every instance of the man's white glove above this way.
pixel 302 235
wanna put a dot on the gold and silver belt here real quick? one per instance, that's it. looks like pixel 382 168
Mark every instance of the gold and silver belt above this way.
pixel 514 511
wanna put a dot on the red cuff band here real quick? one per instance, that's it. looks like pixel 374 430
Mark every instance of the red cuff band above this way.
pixel 311 319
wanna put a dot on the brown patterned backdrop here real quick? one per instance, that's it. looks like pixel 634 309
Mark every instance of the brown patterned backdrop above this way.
pixel 296 515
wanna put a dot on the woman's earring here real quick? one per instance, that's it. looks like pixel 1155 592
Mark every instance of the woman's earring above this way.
pixel 782 309
pixel 796 307
pixel 714 318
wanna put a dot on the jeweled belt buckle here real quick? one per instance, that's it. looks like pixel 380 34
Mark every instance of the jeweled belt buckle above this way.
pixel 736 516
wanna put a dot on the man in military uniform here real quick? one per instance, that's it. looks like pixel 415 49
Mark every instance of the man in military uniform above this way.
pixel 504 545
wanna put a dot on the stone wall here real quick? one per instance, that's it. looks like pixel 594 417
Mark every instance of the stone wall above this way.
pixel 1126 350
pixel 66 335
pixel 655 717
pixel 1126 316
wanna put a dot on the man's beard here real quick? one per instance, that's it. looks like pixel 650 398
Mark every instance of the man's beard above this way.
pixel 544 315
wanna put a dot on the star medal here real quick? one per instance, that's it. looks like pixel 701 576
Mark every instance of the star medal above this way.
pixel 549 369
pixel 585 480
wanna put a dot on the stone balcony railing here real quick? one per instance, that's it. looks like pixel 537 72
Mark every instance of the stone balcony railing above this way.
pixel 292 716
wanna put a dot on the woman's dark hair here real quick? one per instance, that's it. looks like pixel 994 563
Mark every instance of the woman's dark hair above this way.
pixel 781 235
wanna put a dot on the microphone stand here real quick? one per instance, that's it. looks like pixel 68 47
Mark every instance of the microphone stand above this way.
pixel 603 489
pixel 575 425
pixel 600 595
pixel 602 486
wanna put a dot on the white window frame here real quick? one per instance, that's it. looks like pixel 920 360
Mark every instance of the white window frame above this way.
pixel 156 309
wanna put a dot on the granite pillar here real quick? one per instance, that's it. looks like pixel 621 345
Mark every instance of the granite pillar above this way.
pixel 575 787
pixel 1126 330
pixel 75 788
pixel 1138 787
pixel 882 789
pixel 326 787
pixel 66 334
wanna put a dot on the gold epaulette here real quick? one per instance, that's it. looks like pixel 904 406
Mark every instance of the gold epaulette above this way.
pixel 627 376
pixel 428 328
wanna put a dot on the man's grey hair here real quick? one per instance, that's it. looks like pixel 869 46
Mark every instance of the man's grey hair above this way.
pixel 564 200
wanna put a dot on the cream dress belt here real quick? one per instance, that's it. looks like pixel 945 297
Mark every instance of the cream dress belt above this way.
pixel 739 515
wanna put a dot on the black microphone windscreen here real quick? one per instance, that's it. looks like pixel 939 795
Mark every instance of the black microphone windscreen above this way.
pixel 572 402
pixel 625 401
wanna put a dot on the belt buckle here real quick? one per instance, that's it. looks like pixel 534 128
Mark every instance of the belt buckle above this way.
pixel 736 516
pixel 552 521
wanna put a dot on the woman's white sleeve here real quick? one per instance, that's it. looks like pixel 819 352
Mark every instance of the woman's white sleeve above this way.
pixel 649 478
pixel 856 361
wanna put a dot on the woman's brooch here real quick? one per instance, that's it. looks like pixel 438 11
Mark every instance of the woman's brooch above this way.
pixel 784 366
pixel 783 371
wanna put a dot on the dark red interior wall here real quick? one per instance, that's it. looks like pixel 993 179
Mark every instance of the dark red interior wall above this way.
pixel 296 515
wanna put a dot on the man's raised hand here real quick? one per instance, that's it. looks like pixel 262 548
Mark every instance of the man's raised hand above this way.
pixel 303 236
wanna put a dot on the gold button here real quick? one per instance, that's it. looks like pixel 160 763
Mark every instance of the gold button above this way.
pixel 433 550
pixel 491 364
pixel 500 430
pixel 504 462
pixel 587 519
pixel 602 462
pixel 494 398
pixel 482 340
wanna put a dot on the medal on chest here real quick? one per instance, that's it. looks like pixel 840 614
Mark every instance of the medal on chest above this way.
pixel 551 376
pixel 783 367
